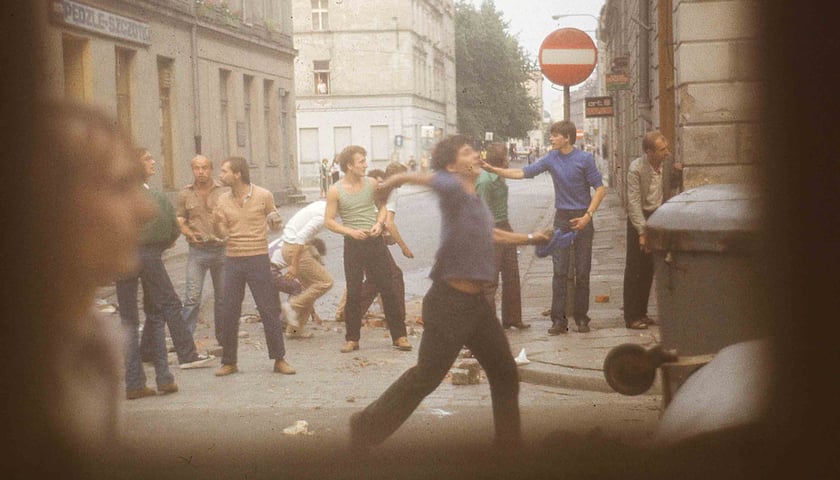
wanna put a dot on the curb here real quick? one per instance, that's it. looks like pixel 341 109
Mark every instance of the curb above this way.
pixel 572 378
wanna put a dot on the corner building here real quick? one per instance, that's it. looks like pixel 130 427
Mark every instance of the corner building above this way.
pixel 183 77
pixel 378 73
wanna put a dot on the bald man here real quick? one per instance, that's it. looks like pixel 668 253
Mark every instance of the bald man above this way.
pixel 207 252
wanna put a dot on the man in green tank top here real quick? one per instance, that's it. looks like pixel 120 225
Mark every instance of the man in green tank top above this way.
pixel 362 222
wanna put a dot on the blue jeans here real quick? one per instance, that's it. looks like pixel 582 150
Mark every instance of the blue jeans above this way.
pixel 199 261
pixel 161 306
pixel 255 272
pixel 583 265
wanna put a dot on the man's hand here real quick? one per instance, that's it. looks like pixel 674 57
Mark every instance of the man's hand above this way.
pixel 643 243
pixel 486 166
pixel 291 272
pixel 275 221
pixel 581 222
pixel 359 234
pixel 407 252
pixel 376 229
pixel 542 237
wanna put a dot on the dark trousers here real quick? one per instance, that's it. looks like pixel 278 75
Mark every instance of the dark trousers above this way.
pixel 452 319
pixel 369 290
pixel 507 265
pixel 582 264
pixel 370 257
pixel 255 272
pixel 638 277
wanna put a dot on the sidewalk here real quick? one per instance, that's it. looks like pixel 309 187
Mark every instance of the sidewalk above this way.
pixel 575 360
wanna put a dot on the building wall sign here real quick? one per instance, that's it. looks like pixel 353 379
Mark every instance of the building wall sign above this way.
pixel 101 21
pixel 617 81
pixel 599 107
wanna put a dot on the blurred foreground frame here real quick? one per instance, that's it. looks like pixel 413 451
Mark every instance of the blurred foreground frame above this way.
pixel 799 437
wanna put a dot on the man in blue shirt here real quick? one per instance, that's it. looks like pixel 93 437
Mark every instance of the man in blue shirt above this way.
pixel 574 174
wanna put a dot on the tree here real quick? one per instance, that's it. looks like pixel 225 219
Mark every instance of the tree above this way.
pixel 491 69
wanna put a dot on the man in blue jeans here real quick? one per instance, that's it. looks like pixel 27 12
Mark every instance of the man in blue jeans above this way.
pixel 160 302
pixel 194 210
pixel 574 173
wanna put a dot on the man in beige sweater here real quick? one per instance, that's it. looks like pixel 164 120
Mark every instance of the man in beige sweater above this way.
pixel 240 218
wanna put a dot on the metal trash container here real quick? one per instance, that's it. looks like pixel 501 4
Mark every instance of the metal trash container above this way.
pixel 704 243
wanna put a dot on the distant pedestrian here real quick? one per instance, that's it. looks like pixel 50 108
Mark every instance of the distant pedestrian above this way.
pixel 194 210
pixel 645 193
pixel 493 190
pixel 335 170
pixel 324 177
pixel 574 173
pixel 241 218
pixel 303 266
pixel 365 253
pixel 455 310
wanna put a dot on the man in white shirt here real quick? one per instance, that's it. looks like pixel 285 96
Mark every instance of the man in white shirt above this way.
pixel 303 266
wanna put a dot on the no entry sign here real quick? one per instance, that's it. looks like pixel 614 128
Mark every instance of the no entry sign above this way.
pixel 568 56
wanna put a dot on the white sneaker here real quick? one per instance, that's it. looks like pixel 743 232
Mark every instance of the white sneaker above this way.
pixel 200 362
pixel 290 314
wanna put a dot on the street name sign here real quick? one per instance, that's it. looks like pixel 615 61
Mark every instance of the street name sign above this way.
pixel 568 56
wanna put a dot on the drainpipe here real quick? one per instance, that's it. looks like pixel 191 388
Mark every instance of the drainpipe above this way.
pixel 644 62
pixel 667 94
pixel 196 104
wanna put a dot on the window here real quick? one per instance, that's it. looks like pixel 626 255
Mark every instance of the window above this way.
pixel 321 69
pixel 380 146
pixel 76 67
pixel 124 60
pixel 320 15
pixel 309 145
pixel 164 66
pixel 224 114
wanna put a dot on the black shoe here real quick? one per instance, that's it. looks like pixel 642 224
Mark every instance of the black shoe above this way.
pixel 583 328
pixel 558 329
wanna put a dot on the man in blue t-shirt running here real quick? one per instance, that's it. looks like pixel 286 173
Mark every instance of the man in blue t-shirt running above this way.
pixel 574 174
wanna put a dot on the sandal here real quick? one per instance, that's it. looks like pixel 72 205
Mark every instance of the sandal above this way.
pixel 638 325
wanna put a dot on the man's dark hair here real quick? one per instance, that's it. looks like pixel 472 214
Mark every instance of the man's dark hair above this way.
pixel 319 245
pixel 376 173
pixel 446 150
pixel 345 158
pixel 496 154
pixel 239 165
pixel 565 128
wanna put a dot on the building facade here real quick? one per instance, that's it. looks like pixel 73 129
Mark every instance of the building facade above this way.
pixel 184 77
pixel 379 73
pixel 688 68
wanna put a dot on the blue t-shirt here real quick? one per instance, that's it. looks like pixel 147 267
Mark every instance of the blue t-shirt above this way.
pixel 466 234
pixel 573 175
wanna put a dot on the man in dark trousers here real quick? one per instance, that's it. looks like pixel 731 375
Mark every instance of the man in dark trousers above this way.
pixel 645 193
pixel 455 310
pixel 574 173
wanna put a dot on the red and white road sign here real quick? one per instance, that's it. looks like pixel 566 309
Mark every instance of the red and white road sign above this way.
pixel 568 56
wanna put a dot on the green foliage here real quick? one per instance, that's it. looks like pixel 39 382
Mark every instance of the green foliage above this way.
pixel 490 75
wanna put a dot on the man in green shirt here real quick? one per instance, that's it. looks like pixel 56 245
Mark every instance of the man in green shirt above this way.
pixel 493 190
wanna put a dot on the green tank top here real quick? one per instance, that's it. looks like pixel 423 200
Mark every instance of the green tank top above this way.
pixel 357 210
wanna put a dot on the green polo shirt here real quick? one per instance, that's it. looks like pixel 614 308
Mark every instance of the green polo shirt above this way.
pixel 494 191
